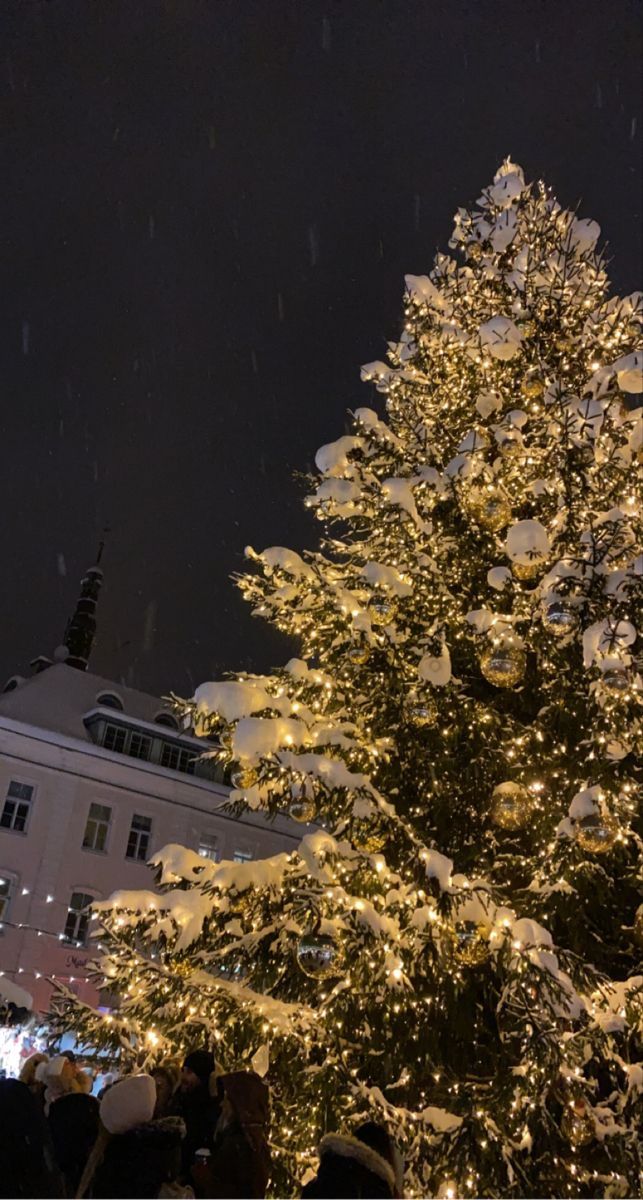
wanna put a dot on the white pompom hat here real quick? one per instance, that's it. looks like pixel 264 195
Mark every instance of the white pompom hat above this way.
pixel 128 1103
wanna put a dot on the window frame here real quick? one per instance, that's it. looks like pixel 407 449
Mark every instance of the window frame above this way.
pixel 12 888
pixel 98 822
pixel 15 800
pixel 137 834
pixel 243 854
pixel 81 915
pixel 210 840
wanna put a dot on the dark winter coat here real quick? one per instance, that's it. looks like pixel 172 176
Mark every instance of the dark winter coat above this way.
pixel 348 1168
pixel 141 1162
pixel 240 1162
pixel 27 1166
pixel 73 1124
pixel 200 1113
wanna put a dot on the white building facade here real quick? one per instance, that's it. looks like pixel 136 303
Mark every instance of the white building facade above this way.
pixel 95 777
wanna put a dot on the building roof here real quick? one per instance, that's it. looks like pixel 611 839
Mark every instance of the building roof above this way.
pixel 57 699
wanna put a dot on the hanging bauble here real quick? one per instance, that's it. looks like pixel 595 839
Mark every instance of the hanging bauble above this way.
pixel 559 618
pixel 303 809
pixel 474 251
pixel 529 570
pixel 532 387
pixel 382 610
pixel 489 508
pixel 597 832
pixel 244 777
pixel 503 662
pixel 369 835
pixel 616 679
pixel 318 954
pixel 577 1124
pixel 470 943
pixel 421 710
pixel 638 925
pixel 511 805
pixel 359 654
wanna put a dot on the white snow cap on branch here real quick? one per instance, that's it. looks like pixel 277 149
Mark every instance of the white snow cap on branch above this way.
pixel 488 402
pixel 527 542
pixel 232 700
pixel 629 372
pixel 585 803
pixel 281 558
pixel 584 234
pixel 607 637
pixel 422 290
pixel 436 668
pixel 498 577
pixel 380 575
pixel 501 337
pixel 332 459
pixel 438 866
pixel 508 184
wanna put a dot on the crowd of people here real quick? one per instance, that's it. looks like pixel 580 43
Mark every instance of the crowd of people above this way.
pixel 182 1130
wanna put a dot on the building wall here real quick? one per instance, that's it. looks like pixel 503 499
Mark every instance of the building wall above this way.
pixel 48 862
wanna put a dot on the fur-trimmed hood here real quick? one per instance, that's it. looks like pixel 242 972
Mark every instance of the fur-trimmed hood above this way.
pixel 349 1147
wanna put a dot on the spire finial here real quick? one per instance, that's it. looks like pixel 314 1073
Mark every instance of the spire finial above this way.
pixel 81 628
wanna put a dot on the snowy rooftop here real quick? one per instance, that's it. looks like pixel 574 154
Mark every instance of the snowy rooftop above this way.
pixel 57 699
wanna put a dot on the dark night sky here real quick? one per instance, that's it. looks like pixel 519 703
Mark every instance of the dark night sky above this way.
pixel 208 208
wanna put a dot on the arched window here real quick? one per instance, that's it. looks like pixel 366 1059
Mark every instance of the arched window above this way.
pixel 166 718
pixel 109 700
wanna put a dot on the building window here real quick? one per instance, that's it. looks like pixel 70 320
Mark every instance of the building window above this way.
pixel 138 842
pixel 177 758
pixel 165 718
pixel 77 918
pixel 110 700
pixel 115 738
pixel 17 807
pixel 139 746
pixel 242 856
pixel 97 828
pixel 5 897
pixel 208 846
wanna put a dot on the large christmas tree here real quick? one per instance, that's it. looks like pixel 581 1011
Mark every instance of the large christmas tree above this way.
pixel 454 946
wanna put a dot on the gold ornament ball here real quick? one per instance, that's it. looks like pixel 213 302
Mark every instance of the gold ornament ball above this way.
pixel 616 679
pixel 422 711
pixel 245 777
pixel 358 655
pixel 577 1124
pixel 470 943
pixel 528 328
pixel 559 618
pixel 303 809
pixel 382 611
pixel 474 251
pixel 490 509
pixel 638 925
pixel 532 387
pixel 369 836
pixel 503 664
pixel 318 955
pixel 597 832
pixel 527 571
pixel 511 805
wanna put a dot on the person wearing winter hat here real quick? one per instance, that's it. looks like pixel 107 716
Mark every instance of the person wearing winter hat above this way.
pixel 32 1075
pixel 74 1125
pixel 27 1165
pixel 239 1166
pixel 62 1077
pixel 134 1155
pixel 166 1077
pixel 366 1164
pixel 198 1105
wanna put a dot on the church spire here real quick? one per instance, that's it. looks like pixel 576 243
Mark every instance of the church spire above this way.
pixel 81 628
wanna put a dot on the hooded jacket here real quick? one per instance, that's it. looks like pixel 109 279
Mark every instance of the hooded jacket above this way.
pixel 349 1168
pixel 240 1162
pixel 144 1161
